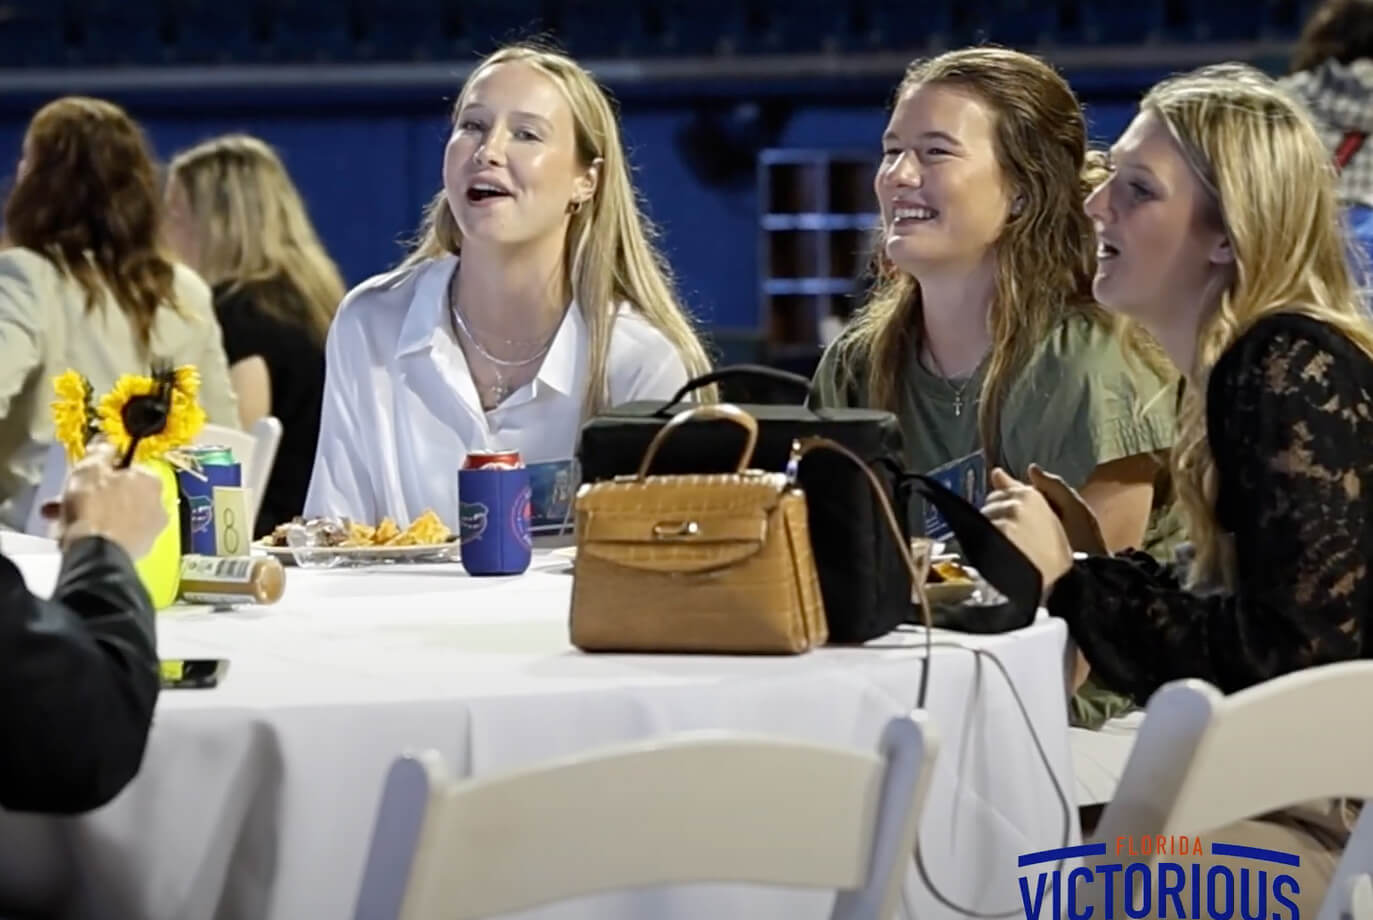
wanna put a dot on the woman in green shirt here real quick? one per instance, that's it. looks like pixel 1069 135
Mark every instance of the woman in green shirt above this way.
pixel 981 333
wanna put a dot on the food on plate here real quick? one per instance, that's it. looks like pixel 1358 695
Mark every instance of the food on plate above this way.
pixel 425 530
pixel 325 531
pixel 948 571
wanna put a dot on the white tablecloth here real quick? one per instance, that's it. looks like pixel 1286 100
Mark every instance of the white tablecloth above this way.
pixel 256 799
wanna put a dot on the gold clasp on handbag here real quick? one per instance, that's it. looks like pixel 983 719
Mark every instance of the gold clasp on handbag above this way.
pixel 664 530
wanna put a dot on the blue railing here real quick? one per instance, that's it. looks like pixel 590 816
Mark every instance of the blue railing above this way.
pixel 123 33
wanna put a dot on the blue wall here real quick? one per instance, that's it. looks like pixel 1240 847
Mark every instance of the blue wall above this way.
pixel 367 172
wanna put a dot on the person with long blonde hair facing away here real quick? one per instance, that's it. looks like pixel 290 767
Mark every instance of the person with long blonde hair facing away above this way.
pixel 1219 231
pixel 533 300
pixel 235 216
pixel 86 286
pixel 981 333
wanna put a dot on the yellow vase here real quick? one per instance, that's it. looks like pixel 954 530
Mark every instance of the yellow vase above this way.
pixel 160 569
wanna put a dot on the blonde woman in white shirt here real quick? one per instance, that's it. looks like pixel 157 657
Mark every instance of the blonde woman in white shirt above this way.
pixel 533 300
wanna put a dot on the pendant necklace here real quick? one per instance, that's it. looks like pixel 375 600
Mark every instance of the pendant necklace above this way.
pixel 957 391
pixel 497 392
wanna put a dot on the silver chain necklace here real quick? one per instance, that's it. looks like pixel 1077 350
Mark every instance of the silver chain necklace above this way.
pixel 497 392
pixel 957 391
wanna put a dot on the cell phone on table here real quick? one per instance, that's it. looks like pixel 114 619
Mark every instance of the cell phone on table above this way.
pixel 193 673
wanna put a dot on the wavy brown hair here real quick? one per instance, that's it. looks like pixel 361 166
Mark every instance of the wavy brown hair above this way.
pixel 610 256
pixel 86 198
pixel 1045 256
pixel 1339 30
pixel 252 231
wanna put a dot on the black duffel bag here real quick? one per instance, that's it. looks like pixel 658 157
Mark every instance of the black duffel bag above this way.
pixel 863 578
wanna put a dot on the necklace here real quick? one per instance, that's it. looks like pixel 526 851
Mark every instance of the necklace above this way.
pixel 498 391
pixel 957 391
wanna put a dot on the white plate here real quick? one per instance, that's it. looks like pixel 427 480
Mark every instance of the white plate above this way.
pixel 326 556
pixel 949 592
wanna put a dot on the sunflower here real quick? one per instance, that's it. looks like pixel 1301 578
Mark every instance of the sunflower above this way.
pixel 186 380
pixel 73 416
pixel 160 412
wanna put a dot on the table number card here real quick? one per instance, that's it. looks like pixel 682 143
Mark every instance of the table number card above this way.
pixel 233 524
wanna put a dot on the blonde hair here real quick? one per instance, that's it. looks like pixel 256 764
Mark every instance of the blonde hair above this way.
pixel 609 255
pixel 1045 257
pixel 1271 183
pixel 251 228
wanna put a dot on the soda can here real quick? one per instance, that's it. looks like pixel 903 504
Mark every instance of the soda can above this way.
pixel 214 466
pixel 494 513
pixel 493 460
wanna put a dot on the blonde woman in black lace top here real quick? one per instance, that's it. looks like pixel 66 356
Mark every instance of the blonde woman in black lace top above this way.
pixel 1219 232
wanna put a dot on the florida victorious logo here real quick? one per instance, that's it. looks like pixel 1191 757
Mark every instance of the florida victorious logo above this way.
pixel 1250 884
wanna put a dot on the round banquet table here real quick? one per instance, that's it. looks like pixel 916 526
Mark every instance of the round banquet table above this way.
pixel 257 798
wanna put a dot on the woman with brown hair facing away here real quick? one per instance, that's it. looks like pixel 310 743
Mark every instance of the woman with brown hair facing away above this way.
pixel 84 284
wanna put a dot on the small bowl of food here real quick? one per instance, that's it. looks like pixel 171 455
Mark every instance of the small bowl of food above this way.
pixel 949 582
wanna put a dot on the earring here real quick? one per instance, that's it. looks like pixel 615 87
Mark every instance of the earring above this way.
pixel 1017 206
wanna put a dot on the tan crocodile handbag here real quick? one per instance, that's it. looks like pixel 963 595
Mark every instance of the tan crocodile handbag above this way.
pixel 714 563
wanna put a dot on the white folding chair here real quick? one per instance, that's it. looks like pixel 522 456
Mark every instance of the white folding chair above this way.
pixel 49 489
pixel 696 808
pixel 255 450
pixel 1204 760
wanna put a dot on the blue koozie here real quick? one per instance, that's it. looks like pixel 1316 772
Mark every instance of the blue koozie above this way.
pixel 493 516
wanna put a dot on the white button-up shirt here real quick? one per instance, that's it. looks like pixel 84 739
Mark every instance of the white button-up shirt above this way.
pixel 401 410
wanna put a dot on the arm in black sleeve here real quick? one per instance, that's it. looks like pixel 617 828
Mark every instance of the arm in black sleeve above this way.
pixel 1291 430
pixel 240 322
pixel 79 678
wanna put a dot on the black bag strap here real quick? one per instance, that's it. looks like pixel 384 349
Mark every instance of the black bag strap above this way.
pixel 987 549
pixel 734 371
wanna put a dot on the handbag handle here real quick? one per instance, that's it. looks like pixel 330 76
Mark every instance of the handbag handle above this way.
pixel 796 381
pixel 723 411
pixel 803 446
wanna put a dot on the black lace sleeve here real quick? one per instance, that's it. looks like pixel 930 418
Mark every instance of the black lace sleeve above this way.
pixel 1290 421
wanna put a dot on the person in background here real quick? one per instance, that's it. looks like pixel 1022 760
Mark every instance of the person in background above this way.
pixel 236 218
pixel 1332 76
pixel 981 333
pixel 84 284
pixel 533 300
pixel 79 674
pixel 1219 234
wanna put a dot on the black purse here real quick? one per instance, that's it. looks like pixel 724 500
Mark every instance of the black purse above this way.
pixel 864 579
